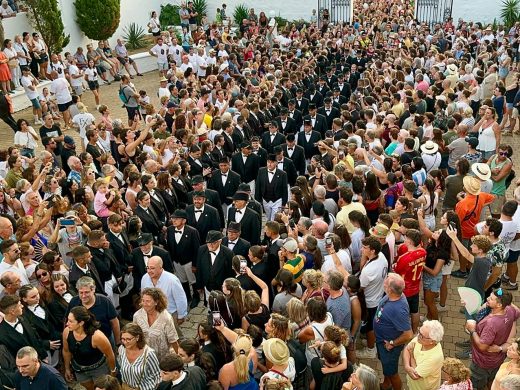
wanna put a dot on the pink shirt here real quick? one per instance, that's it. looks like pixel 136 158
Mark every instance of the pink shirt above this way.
pixel 100 207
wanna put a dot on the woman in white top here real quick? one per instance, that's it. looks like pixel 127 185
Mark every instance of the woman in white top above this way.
pixel 319 319
pixel 25 138
pixel 14 65
pixel 91 76
pixel 22 51
pixel 429 200
pixel 154 26
pixel 488 133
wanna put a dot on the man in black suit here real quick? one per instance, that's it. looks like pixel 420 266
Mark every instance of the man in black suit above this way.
pixel 233 241
pixel 295 152
pixel 82 266
pixel 314 97
pixel 329 112
pixel 225 182
pixel 273 244
pixel 239 132
pixel 271 188
pixel 301 103
pixel 255 120
pixel 286 165
pixel 322 87
pixel 272 138
pixel 286 124
pixel 259 151
pixel 331 78
pixel 252 203
pixel 149 219
pixel 194 159
pixel 318 121
pixel 308 139
pixel 229 144
pixel 213 265
pixel 218 151
pixel 212 197
pixel 337 98
pixel 246 164
pixel 296 115
pixel 248 219
pixel 202 216
pixel 141 255
pixel 344 88
pixel 183 244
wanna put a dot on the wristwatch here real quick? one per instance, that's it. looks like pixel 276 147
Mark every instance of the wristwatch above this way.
pixel 391 343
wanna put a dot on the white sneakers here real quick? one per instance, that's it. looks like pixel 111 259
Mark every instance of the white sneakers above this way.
pixel 367 353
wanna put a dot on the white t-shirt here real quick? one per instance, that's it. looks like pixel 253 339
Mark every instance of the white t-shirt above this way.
pixel 26 83
pixel 59 68
pixel 60 88
pixel 163 92
pixel 161 51
pixel 83 120
pixel 74 71
pixel 25 138
pixel 201 62
pixel 509 230
pixel 92 74
pixel 372 278
pixel 515 245
pixel 344 257
pixel 176 52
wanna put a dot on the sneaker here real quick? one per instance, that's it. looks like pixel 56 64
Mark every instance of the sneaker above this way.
pixel 459 274
pixel 139 74
pixel 511 287
pixel 441 309
pixel 463 344
pixel 38 122
pixel 504 278
pixel 466 354
pixel 367 353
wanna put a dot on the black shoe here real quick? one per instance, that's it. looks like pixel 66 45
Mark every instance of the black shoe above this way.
pixel 195 302
pixel 459 274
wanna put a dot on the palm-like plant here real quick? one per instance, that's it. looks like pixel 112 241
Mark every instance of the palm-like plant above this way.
pixel 169 16
pixel 510 12
pixel 201 7
pixel 240 13
pixel 135 36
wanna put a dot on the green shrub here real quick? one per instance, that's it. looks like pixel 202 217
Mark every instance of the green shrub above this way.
pixel 135 36
pixel 240 13
pixel 510 12
pixel 169 16
pixel 45 17
pixel 98 19
pixel 201 7
pixel 281 22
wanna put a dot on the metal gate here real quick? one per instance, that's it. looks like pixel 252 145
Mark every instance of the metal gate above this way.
pixel 433 11
pixel 340 11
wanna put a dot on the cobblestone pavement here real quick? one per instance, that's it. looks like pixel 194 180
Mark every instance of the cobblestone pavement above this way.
pixel 452 320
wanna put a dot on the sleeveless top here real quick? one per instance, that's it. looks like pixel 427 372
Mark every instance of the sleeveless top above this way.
pixel 319 331
pixel 486 139
pixel 82 351
pixel 499 187
pixel 250 385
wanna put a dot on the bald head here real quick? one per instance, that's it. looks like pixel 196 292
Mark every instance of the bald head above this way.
pixel 155 261
pixel 6 228
pixel 320 228
pixel 395 284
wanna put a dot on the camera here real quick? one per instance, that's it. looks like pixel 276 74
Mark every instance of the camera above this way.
pixel 243 266
pixel 328 241
pixel 217 318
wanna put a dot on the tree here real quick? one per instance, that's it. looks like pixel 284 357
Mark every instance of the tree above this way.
pixel 45 17
pixel 98 19
pixel 510 12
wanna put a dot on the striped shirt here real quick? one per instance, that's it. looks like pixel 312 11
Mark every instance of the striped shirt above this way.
pixel 296 266
pixel 141 374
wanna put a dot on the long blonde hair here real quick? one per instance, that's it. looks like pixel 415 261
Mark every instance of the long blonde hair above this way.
pixel 242 347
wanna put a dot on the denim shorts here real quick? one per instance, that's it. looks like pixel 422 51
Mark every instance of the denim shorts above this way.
pixel 36 103
pixel 389 359
pixel 432 283
pixel 513 257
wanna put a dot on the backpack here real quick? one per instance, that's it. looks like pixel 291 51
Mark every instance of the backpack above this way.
pixel 122 95
pixel 510 178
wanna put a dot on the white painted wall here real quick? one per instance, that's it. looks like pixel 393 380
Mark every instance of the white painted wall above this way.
pixel 476 10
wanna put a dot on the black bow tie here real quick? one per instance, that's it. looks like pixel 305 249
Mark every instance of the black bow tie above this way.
pixel 239 211
pixel 232 243
pixel 290 149
pixel 178 231
pixel 198 211
pixel 223 174
pixel 213 253
pixel 270 172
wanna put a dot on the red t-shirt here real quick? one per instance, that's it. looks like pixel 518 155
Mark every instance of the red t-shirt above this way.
pixel 410 266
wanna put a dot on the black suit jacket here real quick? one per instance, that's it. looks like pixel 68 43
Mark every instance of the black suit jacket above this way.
pixel 280 184
pixel 140 266
pixel 345 90
pixel 303 106
pixel 44 328
pixel 250 224
pixel 262 155
pixel 186 250
pixel 320 124
pixel 239 136
pixel 255 124
pixel 297 116
pixel 297 157
pixel 241 248
pixel 208 220
pixel 229 145
pixel 290 125
pixel 170 200
pixel 225 191
pixel 122 249
pixel 327 163
pixel 248 170
pixel 196 169
pixel 105 263
pixel 317 98
pixel 217 154
pixel 308 146
pixel 14 340
pixel 334 113
pixel 212 276
pixel 212 199
pixel 151 222
pixel 269 144
pixel 290 169
pixel 76 273
pixel 181 191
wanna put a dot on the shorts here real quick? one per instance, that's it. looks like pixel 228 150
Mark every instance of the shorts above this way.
pixel 509 106
pixel 447 268
pixel 124 60
pixel 481 376
pixel 413 303
pixel 514 113
pixel 513 257
pixel 162 66
pixel 105 64
pixel 496 206
pixel 77 90
pixel 36 103
pixel 184 272
pixel 157 34
pixel 389 359
pixel 43 59
pixel 432 283
pixel 93 85
pixel 371 313
pixel 92 375
pixel 65 106
pixel 132 111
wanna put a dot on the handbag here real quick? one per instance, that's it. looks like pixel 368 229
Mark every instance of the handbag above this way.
pixel 126 386
pixel 13 63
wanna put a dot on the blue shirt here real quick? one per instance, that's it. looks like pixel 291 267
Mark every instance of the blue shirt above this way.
pixel 172 288
pixel 340 309
pixel 392 319
pixel 47 378
pixel 103 309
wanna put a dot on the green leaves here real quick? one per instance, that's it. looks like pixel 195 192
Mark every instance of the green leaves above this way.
pixel 201 7
pixel 98 19
pixel 135 36
pixel 240 13
pixel 510 12
pixel 169 16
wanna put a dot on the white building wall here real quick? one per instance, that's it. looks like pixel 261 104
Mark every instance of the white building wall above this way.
pixel 484 11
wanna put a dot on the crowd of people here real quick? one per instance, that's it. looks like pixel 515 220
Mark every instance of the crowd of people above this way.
pixel 314 188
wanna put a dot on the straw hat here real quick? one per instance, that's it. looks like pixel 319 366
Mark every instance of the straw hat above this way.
pixel 276 351
pixel 471 185
pixel 481 170
pixel 430 147
pixel 379 231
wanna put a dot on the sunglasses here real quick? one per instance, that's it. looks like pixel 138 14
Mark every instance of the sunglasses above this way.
pixel 503 153
pixel 39 276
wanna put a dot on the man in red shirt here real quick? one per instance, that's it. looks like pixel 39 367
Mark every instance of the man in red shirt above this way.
pixel 410 266
pixel 469 209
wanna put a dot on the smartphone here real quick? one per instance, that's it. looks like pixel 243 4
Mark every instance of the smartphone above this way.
pixel 67 222
pixel 328 241
pixel 243 265
pixel 452 225
pixel 292 224
pixel 217 319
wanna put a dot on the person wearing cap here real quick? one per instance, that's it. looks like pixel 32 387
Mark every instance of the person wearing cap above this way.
pixel 213 266
pixel 249 220
pixel 225 182
pixel 280 363
pixel 272 138
pixel 271 187
pixel 301 103
pixel 246 164
pixel 308 139
pixel 143 253
pixel 318 121
pixel 183 242
pixel 468 209
pixel 175 376
pixel 291 260
pixel 251 203
pixel 233 241
pixel 202 216
pixel 430 155
pixel 212 197
pixel 295 153
pixel 472 154
pixel 285 123
pixel 69 149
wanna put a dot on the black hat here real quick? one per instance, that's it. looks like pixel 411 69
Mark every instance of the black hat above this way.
pixel 239 195
pixel 233 227
pixel 307 121
pixel 284 110
pixel 144 239
pixel 179 213
pixel 292 101
pixel 200 194
pixel 273 124
pixel 246 144
pixel 290 137
pixel 271 157
pixel 312 106
pixel 224 160
pixel 277 149
pixel 214 235
pixel 197 179
pixel 244 187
